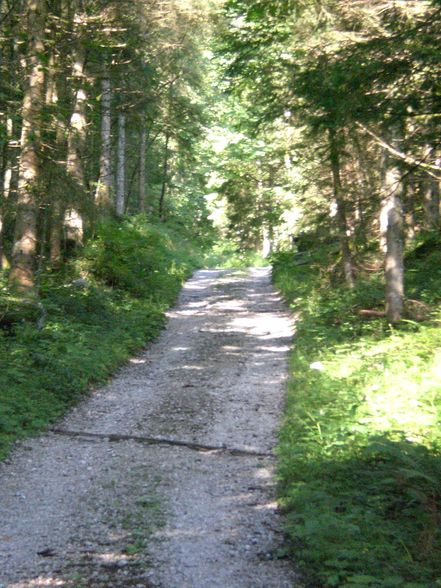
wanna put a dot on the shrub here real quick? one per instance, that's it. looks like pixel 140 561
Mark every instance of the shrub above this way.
pixel 77 334
pixel 360 446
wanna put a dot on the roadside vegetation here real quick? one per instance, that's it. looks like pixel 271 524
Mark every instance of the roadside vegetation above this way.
pixel 103 116
pixel 360 446
pixel 226 254
pixel 336 159
pixel 134 133
pixel 104 306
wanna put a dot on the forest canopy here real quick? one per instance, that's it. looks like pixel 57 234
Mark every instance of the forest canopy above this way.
pixel 141 139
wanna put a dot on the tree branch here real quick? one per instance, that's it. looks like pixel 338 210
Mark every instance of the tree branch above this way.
pixel 429 168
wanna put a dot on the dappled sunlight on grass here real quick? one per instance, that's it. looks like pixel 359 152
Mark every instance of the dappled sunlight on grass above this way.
pixel 78 335
pixel 226 254
pixel 360 460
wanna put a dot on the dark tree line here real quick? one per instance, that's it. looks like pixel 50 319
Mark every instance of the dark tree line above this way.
pixel 100 114
pixel 358 85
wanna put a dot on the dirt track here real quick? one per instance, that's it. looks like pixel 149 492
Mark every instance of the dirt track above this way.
pixel 164 477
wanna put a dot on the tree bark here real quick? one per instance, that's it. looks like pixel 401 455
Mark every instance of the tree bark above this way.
pixel 6 180
pixel 142 170
pixel 343 228
pixel 58 91
pixel 76 145
pixel 121 165
pixel 56 232
pixel 22 275
pixel 366 182
pixel 392 211
pixel 409 208
pixel 164 178
pixel 431 195
pixel 105 189
pixel 58 204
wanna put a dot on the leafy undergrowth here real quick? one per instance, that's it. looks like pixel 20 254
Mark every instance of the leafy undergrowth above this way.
pixel 82 329
pixel 360 447
pixel 226 254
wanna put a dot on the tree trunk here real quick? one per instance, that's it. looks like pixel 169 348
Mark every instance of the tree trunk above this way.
pixel 366 183
pixel 431 199
pixel 431 196
pixel 121 166
pixel 6 180
pixel 142 170
pixel 56 232
pixel 267 242
pixel 76 145
pixel 24 251
pixel 164 178
pixel 343 227
pixel 58 91
pixel 393 214
pixel 104 191
pixel 58 205
pixel 409 207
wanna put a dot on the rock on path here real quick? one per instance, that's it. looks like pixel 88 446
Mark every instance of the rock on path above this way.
pixel 164 478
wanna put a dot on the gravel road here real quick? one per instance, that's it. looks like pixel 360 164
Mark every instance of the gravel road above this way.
pixel 163 478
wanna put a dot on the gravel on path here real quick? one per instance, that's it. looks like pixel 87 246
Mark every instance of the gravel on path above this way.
pixel 164 478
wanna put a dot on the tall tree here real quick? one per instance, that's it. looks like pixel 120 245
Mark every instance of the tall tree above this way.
pixel 393 214
pixel 105 186
pixel 343 229
pixel 121 166
pixel 25 240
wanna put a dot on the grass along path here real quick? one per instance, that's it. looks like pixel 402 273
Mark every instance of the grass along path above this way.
pixel 133 271
pixel 102 508
pixel 360 447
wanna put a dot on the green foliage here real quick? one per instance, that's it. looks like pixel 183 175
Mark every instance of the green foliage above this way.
pixel 424 260
pixel 360 447
pixel 144 260
pixel 135 272
pixel 225 254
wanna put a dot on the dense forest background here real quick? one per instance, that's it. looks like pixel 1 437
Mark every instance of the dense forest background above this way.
pixel 307 120
pixel 142 139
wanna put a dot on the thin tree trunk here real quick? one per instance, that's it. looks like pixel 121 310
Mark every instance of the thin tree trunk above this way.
pixel 58 204
pixel 164 178
pixel 24 251
pixel 431 201
pixel 43 236
pixel 58 91
pixel 409 208
pixel 343 227
pixel 76 145
pixel 56 232
pixel 130 183
pixel 393 213
pixel 121 165
pixel 104 192
pixel 366 183
pixel 431 196
pixel 142 170
pixel 52 100
pixel 51 178
pixel 6 180
pixel 394 266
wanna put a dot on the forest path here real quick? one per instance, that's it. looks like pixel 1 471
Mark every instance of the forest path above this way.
pixel 163 478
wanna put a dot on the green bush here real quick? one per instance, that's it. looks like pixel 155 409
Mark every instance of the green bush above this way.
pixel 226 254
pixel 360 446
pixel 78 333
pixel 141 259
